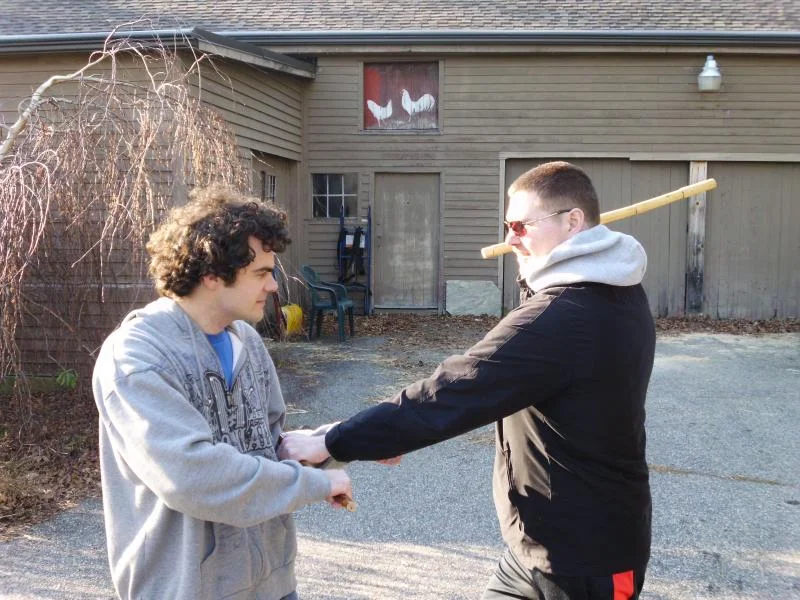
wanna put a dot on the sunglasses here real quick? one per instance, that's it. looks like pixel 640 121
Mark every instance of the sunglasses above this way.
pixel 520 228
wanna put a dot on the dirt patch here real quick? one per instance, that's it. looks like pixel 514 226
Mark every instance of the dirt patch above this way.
pixel 703 324
pixel 48 458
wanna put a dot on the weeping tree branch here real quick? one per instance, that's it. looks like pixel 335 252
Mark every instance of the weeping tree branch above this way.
pixel 84 179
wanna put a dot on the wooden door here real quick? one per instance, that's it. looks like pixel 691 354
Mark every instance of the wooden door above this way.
pixel 406 240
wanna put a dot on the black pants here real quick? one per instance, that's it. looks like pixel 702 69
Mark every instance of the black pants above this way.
pixel 512 580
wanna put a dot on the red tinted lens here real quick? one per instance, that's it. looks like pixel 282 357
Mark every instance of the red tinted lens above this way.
pixel 518 227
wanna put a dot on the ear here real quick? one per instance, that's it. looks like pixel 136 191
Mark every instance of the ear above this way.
pixel 575 220
pixel 211 282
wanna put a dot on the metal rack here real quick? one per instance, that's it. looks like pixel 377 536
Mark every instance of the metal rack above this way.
pixel 353 258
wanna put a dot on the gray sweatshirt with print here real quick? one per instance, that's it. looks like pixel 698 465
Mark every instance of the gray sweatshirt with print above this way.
pixel 196 503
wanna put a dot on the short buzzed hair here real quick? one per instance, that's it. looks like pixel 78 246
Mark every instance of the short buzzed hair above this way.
pixel 560 185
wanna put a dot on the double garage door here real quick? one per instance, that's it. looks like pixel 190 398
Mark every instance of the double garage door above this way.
pixel 752 233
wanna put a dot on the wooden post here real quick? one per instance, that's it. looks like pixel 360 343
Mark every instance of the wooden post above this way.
pixel 696 241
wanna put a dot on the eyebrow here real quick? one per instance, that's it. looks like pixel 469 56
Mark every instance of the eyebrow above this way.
pixel 265 270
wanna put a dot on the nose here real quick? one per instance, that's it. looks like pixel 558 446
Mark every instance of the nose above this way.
pixel 271 285
pixel 511 237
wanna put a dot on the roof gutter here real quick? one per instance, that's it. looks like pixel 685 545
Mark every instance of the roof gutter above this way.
pixel 248 42
pixel 548 37
pixel 195 38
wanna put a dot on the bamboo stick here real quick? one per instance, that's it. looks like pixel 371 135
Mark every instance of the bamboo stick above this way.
pixel 627 211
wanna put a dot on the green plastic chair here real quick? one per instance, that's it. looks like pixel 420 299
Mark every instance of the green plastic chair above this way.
pixel 326 297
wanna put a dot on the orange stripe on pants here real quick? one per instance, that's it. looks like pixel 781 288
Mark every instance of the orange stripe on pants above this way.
pixel 623 585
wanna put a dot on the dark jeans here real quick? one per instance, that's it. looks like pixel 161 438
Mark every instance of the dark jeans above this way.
pixel 512 580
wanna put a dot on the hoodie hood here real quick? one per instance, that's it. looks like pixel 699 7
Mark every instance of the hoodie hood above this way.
pixel 596 255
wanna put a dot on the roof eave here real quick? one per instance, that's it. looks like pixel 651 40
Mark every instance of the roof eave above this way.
pixel 197 38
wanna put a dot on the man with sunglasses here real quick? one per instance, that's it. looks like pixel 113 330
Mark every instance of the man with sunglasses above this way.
pixel 565 377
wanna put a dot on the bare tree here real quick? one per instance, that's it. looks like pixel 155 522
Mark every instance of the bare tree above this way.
pixel 84 178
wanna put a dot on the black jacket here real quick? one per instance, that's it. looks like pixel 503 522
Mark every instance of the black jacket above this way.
pixel 565 376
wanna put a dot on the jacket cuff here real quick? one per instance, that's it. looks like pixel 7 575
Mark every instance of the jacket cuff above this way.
pixel 331 437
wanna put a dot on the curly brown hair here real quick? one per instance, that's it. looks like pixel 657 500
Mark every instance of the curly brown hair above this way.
pixel 209 235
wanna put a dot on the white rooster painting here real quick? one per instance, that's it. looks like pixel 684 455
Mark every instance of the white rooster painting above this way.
pixel 401 95
pixel 424 103
pixel 381 113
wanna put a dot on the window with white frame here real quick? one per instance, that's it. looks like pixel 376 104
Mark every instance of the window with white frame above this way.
pixel 334 194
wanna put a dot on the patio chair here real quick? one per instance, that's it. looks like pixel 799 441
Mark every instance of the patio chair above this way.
pixel 326 297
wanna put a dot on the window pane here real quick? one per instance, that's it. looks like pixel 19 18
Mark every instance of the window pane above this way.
pixel 327 196
pixel 334 184
pixel 350 206
pixel 320 207
pixel 268 185
pixel 350 183
pixel 319 184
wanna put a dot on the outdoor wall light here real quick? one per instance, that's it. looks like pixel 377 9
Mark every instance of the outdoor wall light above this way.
pixel 709 79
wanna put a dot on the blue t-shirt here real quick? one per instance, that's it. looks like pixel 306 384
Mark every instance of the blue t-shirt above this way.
pixel 224 348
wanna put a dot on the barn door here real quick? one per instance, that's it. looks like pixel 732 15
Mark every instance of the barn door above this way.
pixel 406 240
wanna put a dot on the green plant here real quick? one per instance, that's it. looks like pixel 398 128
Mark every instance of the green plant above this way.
pixel 67 378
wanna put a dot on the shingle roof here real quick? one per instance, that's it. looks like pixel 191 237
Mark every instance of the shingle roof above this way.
pixel 73 16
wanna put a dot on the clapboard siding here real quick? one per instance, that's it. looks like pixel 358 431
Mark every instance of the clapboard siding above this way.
pixel 264 109
pixel 20 76
pixel 322 236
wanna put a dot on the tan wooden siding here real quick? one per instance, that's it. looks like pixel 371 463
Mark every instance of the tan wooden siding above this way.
pixel 264 108
pixel 752 250
pixel 322 236
pixel 48 344
pixel 20 76
pixel 548 104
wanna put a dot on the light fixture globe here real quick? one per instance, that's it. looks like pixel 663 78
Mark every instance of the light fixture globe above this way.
pixel 709 79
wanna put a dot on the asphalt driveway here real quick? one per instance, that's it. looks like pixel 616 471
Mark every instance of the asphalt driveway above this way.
pixel 723 444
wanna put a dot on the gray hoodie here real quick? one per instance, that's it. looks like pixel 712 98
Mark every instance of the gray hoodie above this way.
pixel 196 503
pixel 596 255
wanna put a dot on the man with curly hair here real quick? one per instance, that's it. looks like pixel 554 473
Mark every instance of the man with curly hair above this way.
pixel 196 502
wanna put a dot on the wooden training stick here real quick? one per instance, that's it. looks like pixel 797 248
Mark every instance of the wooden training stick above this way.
pixel 347 502
pixel 625 212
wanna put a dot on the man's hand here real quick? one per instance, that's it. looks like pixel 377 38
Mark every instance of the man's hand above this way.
pixel 341 489
pixel 302 447
pixel 390 462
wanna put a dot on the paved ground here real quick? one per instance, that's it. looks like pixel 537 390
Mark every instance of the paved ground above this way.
pixel 723 422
